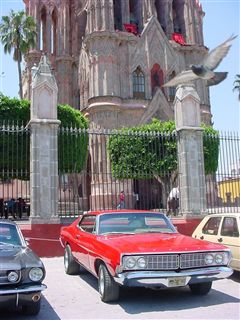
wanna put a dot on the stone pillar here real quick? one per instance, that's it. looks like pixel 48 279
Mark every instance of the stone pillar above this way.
pixel 190 151
pixel 44 146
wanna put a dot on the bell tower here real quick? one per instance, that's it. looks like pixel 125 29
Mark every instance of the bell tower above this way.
pixel 60 29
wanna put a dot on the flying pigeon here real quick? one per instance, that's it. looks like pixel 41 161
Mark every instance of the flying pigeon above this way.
pixel 205 70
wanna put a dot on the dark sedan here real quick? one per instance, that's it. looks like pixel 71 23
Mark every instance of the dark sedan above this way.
pixel 21 271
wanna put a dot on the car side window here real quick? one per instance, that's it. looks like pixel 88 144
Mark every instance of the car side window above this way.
pixel 88 224
pixel 230 227
pixel 211 226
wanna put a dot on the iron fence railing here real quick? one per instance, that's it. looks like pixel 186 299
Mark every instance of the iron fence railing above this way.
pixel 223 187
pixel 14 170
pixel 95 166
pixel 143 165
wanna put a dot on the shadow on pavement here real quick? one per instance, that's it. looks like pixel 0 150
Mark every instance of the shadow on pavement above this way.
pixel 46 312
pixel 142 300
pixel 235 276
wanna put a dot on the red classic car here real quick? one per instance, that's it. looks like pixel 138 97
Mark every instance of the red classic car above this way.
pixel 140 248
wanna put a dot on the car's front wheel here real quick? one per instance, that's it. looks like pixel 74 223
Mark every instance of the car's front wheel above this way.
pixel 107 287
pixel 70 265
pixel 201 288
pixel 32 309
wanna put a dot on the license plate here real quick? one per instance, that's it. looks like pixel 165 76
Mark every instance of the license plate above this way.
pixel 177 282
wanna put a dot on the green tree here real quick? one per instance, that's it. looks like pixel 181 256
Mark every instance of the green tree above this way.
pixel 18 34
pixel 14 146
pixel 237 85
pixel 150 151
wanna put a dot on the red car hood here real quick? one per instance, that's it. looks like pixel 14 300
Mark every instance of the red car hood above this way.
pixel 157 242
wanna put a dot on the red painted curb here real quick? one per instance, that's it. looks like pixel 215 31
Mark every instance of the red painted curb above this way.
pixel 43 239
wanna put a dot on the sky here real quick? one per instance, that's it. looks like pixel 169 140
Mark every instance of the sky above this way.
pixel 221 20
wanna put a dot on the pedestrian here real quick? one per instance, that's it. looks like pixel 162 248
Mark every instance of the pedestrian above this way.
pixel 173 201
pixel 121 204
pixel 136 196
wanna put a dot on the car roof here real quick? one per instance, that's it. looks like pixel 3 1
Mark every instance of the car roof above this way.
pixel 119 211
pixel 224 214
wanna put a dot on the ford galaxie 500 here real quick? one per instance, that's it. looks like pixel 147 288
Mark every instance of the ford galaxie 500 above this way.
pixel 140 248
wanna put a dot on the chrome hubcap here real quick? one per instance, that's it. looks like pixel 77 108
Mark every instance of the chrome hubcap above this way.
pixel 101 282
pixel 65 260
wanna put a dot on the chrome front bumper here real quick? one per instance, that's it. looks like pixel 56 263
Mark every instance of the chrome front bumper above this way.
pixel 23 289
pixel 167 278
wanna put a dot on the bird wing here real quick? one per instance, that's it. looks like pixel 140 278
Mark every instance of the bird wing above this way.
pixel 215 56
pixel 218 77
pixel 183 77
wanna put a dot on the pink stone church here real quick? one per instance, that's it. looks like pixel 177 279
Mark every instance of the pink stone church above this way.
pixel 111 57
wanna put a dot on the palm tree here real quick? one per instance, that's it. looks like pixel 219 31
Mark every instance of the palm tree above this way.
pixel 18 34
pixel 236 84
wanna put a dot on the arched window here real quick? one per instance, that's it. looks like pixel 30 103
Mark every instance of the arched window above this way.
pixel 178 17
pixel 117 14
pixel 161 14
pixel 54 32
pixel 43 29
pixel 156 77
pixel 138 84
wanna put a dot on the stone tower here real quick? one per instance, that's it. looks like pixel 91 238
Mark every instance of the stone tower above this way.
pixel 60 29
pixel 111 57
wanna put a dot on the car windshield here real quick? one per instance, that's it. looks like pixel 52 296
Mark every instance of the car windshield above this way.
pixel 9 235
pixel 132 223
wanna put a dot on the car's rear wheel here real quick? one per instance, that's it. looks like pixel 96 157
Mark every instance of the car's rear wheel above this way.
pixel 70 265
pixel 107 287
pixel 32 309
pixel 201 288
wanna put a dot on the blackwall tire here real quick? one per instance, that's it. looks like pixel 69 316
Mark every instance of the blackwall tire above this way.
pixel 107 287
pixel 70 265
pixel 32 309
pixel 201 288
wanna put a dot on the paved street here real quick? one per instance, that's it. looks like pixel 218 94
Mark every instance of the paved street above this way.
pixel 76 297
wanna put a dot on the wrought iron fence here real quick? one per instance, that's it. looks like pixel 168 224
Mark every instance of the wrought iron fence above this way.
pixel 223 187
pixel 143 165
pixel 14 170
pixel 95 166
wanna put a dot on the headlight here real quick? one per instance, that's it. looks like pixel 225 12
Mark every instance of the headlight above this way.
pixel 130 263
pixel 141 263
pixel 36 274
pixel 208 259
pixel 134 262
pixel 219 258
pixel 13 276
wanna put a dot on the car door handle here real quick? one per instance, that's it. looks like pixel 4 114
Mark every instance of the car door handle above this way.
pixel 202 237
pixel 220 240
pixel 78 236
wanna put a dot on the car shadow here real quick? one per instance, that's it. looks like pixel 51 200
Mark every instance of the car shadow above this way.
pixel 235 276
pixel 46 312
pixel 89 279
pixel 142 300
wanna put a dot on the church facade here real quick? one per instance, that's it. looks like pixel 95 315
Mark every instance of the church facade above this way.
pixel 111 57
